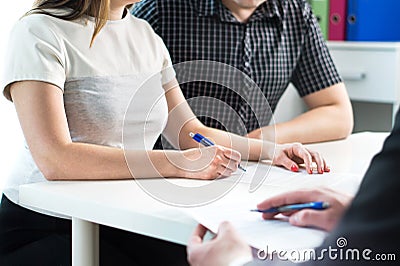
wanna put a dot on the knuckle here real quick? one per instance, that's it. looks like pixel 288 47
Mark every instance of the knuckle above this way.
pixel 280 155
pixel 217 160
pixel 214 165
pixel 209 176
pixel 297 145
pixel 219 148
pixel 315 153
pixel 228 152
pixel 206 177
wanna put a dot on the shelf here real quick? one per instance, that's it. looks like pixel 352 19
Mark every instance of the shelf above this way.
pixel 364 45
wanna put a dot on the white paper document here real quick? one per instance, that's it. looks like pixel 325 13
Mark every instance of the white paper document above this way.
pixel 276 234
pixel 264 174
pixel 271 235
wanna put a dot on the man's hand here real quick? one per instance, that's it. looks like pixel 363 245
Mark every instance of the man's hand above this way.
pixel 225 248
pixel 324 219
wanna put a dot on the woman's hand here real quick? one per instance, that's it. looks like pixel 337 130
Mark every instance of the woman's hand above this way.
pixel 293 154
pixel 225 248
pixel 209 162
pixel 325 219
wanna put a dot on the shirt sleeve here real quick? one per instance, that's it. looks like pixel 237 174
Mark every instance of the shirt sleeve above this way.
pixel 34 53
pixel 147 10
pixel 168 72
pixel 315 69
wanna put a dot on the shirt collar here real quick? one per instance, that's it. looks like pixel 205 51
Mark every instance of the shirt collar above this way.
pixel 206 7
pixel 269 9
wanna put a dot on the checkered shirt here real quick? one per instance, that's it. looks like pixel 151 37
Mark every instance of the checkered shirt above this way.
pixel 281 43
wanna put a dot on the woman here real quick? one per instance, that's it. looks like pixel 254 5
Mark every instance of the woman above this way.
pixel 72 68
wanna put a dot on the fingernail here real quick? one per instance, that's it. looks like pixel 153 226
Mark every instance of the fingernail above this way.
pixel 294 168
pixel 310 171
pixel 328 169
pixel 320 171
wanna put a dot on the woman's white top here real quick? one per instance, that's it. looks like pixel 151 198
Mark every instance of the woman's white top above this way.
pixel 125 67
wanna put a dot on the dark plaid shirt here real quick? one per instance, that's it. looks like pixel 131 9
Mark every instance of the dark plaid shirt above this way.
pixel 281 43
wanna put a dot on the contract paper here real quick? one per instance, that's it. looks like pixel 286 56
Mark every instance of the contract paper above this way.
pixel 276 234
pixel 270 235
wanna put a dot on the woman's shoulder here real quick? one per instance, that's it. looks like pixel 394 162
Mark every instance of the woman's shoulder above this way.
pixel 45 27
pixel 41 19
pixel 33 26
pixel 48 21
pixel 142 29
pixel 141 24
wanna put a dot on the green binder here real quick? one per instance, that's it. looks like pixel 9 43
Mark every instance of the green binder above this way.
pixel 321 11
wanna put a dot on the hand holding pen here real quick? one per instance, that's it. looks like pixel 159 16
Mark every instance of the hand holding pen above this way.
pixel 320 208
pixel 210 162
pixel 315 205
pixel 207 143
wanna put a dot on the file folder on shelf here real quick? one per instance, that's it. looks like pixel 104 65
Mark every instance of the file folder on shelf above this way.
pixel 337 20
pixel 373 20
pixel 321 12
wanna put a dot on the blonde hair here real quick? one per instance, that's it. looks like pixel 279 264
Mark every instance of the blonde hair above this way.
pixel 99 9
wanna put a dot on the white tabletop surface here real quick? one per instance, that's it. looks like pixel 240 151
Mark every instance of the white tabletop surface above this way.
pixel 124 205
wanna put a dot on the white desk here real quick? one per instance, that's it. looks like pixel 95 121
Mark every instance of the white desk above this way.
pixel 124 205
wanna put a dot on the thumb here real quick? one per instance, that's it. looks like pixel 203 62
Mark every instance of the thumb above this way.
pixel 307 217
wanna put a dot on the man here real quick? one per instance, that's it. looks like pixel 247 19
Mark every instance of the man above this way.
pixel 274 43
pixel 370 225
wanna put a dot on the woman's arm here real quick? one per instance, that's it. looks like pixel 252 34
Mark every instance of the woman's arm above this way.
pixel 41 112
pixel 182 121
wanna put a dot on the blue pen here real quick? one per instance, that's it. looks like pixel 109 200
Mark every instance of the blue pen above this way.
pixel 206 142
pixel 318 205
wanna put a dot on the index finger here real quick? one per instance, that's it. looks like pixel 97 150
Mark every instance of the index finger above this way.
pixel 292 197
pixel 301 152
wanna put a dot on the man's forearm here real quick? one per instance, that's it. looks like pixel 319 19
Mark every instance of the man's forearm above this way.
pixel 320 124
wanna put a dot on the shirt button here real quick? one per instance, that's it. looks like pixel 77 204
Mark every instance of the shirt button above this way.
pixel 247 64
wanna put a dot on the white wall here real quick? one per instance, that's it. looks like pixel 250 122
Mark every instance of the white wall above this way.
pixel 289 106
pixel 10 133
